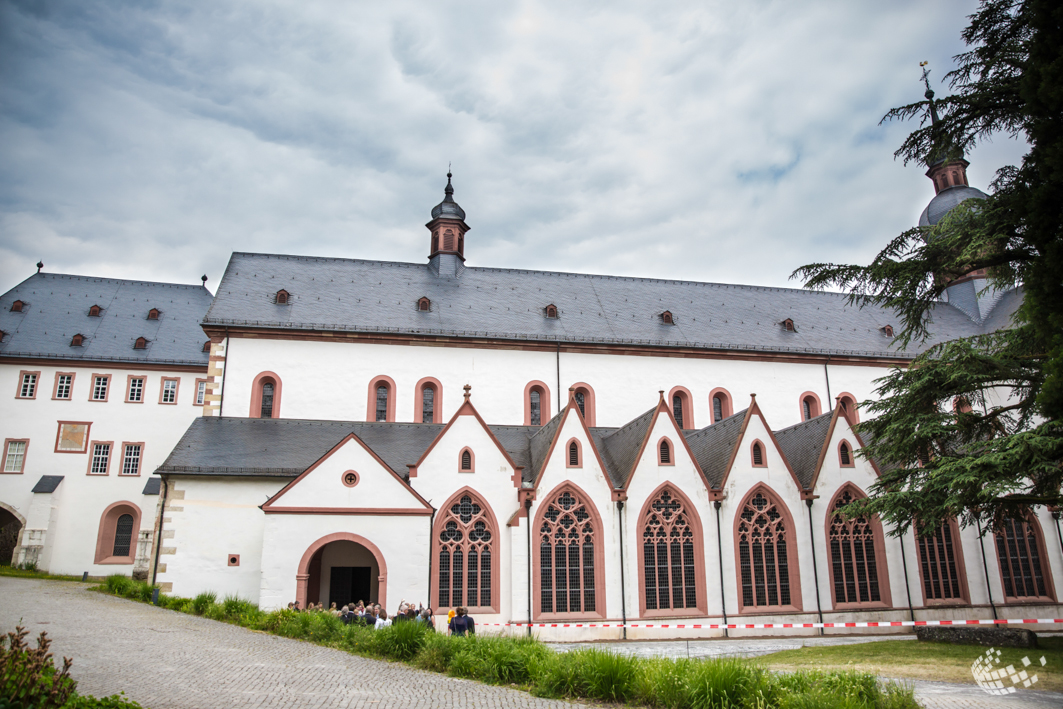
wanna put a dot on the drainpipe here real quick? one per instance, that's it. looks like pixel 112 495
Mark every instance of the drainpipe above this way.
pixel 431 533
pixel 623 588
pixel 158 539
pixel 827 377
pixel 527 507
pixel 558 381
pixel 985 568
pixel 815 566
pixel 719 550
pixel 907 587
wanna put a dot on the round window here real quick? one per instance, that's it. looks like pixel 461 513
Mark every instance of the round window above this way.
pixel 349 478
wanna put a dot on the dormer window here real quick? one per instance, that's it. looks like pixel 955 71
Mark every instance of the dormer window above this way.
pixel 16 307
pixel 77 340
pixel 206 346
pixel 94 311
pixel 282 297
pixel 153 314
pixel 551 312
pixel 424 305
pixel 788 325
pixel 667 319
pixel 887 330
pixel 141 343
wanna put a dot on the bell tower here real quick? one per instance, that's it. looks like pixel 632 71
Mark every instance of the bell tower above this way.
pixel 448 227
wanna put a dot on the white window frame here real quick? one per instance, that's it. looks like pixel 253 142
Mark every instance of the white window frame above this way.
pixel 100 462
pixel 201 392
pixel 139 391
pixel 69 385
pixel 100 384
pixel 27 388
pixel 169 391
pixel 132 455
pixel 19 455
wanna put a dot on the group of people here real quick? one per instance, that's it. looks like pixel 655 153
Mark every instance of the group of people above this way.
pixel 459 622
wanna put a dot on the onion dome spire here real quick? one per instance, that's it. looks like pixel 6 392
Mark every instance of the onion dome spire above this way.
pixel 448 227
pixel 448 207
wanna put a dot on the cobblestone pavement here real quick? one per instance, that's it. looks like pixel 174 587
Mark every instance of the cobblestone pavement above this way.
pixel 170 660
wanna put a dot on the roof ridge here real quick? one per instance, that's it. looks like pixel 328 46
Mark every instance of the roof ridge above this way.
pixel 632 422
pixel 738 415
pixel 106 279
pixel 806 422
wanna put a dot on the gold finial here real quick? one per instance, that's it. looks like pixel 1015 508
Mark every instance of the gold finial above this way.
pixel 468 390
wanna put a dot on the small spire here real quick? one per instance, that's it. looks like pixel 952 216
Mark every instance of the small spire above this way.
pixel 204 279
pixel 468 391
pixel 449 189
pixel 40 265
pixel 929 94
pixel 661 392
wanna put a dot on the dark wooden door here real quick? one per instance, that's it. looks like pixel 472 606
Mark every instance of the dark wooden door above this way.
pixel 349 584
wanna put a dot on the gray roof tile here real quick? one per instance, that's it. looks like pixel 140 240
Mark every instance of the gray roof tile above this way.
pixel 712 446
pixel 802 444
pixel 57 308
pixel 376 296
pixel 152 486
pixel 47 483
pixel 620 447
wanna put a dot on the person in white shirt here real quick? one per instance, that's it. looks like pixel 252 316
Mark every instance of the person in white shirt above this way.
pixel 382 621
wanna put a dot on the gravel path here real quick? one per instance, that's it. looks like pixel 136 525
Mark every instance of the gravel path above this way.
pixel 170 660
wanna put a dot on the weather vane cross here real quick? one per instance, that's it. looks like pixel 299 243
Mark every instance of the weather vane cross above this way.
pixel 926 75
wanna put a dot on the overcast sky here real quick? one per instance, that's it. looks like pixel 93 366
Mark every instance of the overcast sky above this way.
pixel 715 141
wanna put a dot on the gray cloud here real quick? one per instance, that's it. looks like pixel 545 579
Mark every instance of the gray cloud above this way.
pixel 713 141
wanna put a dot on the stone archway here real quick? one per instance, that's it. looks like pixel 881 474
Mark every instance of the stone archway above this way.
pixel 12 525
pixel 342 550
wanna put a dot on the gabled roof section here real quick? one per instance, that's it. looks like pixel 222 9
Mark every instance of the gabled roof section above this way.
pixel 714 446
pixel 348 295
pixel 467 409
pixel 58 308
pixel 621 447
pixel 286 447
pixel 803 446
pixel 540 443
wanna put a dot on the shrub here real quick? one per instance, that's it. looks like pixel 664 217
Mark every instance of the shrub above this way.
pixel 436 653
pixel 203 601
pixel 28 676
pixel 115 701
pixel 498 660
pixel 402 641
pixel 118 585
pixel 234 607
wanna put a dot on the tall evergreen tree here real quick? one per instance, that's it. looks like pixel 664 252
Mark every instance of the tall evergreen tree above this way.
pixel 971 429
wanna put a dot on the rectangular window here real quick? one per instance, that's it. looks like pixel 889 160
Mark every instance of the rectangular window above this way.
pixel 64 385
pixel 101 458
pixel 27 385
pixel 14 456
pixel 135 395
pixel 131 458
pixel 169 391
pixel 201 392
pixel 100 384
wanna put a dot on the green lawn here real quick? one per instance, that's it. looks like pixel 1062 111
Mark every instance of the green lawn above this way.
pixel 912 659
pixel 31 574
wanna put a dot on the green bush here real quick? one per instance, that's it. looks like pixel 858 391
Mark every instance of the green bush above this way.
pixel 402 641
pixel 203 601
pixel 497 660
pixel 28 676
pixel 436 653
pixel 119 585
pixel 115 701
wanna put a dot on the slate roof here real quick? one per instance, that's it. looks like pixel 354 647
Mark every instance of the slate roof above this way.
pixel 802 444
pixel 48 483
pixel 713 444
pixel 152 486
pixel 332 294
pixel 620 447
pixel 57 306
pixel 539 446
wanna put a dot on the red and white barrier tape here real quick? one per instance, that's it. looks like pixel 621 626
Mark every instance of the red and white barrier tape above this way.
pixel 765 626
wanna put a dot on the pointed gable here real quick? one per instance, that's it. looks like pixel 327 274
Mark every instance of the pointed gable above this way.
pixel 467 409
pixel 803 446
pixel 540 444
pixel 620 448
pixel 714 446
pixel 349 479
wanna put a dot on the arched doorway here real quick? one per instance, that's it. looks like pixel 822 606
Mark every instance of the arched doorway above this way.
pixel 342 568
pixel 11 525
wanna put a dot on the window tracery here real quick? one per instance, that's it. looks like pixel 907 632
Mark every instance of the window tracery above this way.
pixel 668 554
pixel 763 534
pixel 465 547
pixel 567 535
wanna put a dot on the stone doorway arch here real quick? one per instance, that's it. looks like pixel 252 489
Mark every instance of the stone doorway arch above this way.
pixel 307 578
pixel 12 526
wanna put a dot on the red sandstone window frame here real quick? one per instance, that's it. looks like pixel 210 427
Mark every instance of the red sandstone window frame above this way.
pixel 77 340
pixel 55 386
pixel 665 441
pixel 17 306
pixel 282 297
pixel 849 405
pixel 961 571
pixel 588 402
pixel 694 522
pixel 726 404
pixel 686 402
pixel 599 556
pixel 36 374
pixel 154 314
pixel 1046 566
pixel 418 401
pixel 92 457
pixel 816 408
pixel 792 556
pixel 544 402
pixel 108 526
pixel 256 394
pixel 25 454
pixel 487 515
pixel 176 391
pixel 788 325
pixel 94 311
pixel 550 311
pixel 887 330
pixel 140 459
pixel 106 391
pixel 568 453
pixel 667 318
pixel 141 343
pixel 461 460
pixel 206 390
pixel 129 387
pixel 851 453
pixel 763 454
pixel 879 543
pixel 370 410
pixel 424 305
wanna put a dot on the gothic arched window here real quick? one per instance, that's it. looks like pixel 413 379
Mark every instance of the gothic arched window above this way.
pixel 535 407
pixel 671 553
pixel 941 565
pixel 123 535
pixel 266 396
pixel 569 563
pixel 1023 566
pixel 466 534
pixel 857 556
pixel 764 535
pixel 721 405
